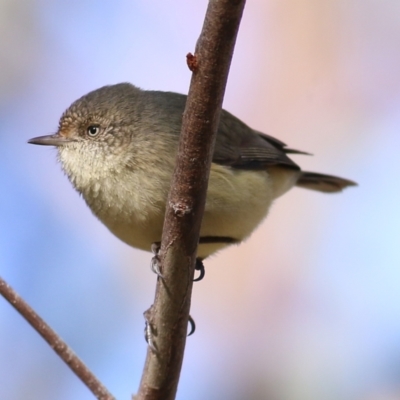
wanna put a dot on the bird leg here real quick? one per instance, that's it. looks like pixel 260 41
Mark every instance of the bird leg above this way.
pixel 199 266
pixel 192 326
pixel 155 261
pixel 149 331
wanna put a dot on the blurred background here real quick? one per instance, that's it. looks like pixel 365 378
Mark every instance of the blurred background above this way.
pixel 309 307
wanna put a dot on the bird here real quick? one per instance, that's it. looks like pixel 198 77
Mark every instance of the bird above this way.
pixel 118 144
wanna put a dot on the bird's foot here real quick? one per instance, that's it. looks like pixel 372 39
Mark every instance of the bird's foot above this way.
pixel 155 261
pixel 149 331
pixel 192 326
pixel 199 266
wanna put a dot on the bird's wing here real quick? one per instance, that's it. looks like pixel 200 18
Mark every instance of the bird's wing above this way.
pixel 239 146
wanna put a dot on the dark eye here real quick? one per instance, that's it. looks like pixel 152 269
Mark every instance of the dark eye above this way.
pixel 93 130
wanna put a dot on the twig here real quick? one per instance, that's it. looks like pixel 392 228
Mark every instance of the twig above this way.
pixel 55 342
pixel 169 314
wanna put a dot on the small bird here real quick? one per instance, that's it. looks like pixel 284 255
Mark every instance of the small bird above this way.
pixel 118 144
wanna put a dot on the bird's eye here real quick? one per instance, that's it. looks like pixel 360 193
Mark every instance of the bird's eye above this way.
pixel 93 130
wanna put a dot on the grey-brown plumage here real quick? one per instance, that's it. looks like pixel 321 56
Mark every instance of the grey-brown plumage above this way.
pixel 117 146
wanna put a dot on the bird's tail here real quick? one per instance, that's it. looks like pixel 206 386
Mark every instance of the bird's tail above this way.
pixel 323 183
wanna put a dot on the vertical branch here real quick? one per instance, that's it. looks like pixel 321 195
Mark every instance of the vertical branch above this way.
pixel 168 317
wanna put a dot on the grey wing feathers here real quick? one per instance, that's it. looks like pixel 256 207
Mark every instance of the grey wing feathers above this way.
pixel 239 146
pixel 281 145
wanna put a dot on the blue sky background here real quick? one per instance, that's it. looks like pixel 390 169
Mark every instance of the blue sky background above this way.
pixel 308 308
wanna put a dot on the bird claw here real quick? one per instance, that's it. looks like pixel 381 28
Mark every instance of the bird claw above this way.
pixel 155 266
pixel 155 247
pixel 192 326
pixel 155 261
pixel 148 334
pixel 199 266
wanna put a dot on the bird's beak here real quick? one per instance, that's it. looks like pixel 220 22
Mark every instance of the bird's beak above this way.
pixel 50 140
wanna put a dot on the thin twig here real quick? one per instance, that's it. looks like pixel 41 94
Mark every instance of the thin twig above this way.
pixel 55 342
pixel 169 314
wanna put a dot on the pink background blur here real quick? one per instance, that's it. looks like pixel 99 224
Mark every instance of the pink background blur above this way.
pixel 309 307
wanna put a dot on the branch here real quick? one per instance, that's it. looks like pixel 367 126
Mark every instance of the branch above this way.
pixel 55 342
pixel 168 317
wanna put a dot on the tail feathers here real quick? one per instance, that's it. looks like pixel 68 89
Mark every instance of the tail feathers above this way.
pixel 323 183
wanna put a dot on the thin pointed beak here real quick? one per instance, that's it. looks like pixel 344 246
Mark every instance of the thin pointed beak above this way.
pixel 50 140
